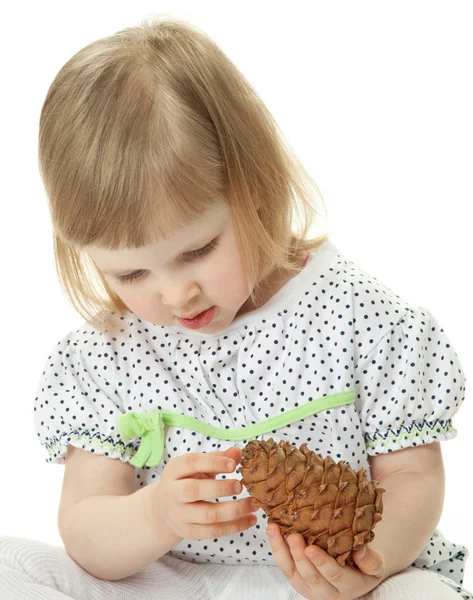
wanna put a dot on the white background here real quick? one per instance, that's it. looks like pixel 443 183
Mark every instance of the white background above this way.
pixel 375 98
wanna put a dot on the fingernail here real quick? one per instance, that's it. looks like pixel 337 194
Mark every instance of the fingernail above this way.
pixel 230 465
pixel 362 553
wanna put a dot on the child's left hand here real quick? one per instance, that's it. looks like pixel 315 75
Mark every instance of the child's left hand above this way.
pixel 317 576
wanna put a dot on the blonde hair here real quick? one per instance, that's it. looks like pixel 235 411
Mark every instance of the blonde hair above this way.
pixel 140 132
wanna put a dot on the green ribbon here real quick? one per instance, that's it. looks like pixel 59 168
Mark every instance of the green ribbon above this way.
pixel 150 426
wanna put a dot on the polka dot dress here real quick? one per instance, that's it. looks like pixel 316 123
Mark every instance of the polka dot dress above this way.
pixel 332 328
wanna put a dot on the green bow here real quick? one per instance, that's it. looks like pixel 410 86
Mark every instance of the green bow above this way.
pixel 150 427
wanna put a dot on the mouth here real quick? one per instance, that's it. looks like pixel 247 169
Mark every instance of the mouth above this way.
pixel 194 315
pixel 200 320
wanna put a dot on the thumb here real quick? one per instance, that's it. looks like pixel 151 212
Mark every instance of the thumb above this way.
pixel 370 561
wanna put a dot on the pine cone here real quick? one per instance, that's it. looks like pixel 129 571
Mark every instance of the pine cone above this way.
pixel 329 503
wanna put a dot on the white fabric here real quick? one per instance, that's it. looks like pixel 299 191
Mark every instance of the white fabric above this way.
pixel 33 570
pixel 331 328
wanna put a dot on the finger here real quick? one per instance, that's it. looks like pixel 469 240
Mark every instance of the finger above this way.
pixel 214 512
pixel 234 453
pixel 193 490
pixel 197 531
pixel 370 562
pixel 188 465
pixel 308 570
pixel 283 557
pixel 334 574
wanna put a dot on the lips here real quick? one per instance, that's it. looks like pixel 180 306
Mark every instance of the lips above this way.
pixel 201 320
pixel 194 315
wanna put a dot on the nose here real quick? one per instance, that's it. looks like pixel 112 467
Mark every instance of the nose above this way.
pixel 180 294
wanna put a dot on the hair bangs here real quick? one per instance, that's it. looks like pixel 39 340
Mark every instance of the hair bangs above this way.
pixel 137 171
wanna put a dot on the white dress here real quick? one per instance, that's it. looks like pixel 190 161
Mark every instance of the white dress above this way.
pixel 334 359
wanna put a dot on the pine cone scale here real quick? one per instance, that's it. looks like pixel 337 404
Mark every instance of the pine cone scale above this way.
pixel 329 503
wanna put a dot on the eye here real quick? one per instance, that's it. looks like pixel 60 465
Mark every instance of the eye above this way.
pixel 202 251
pixel 128 277
pixel 189 255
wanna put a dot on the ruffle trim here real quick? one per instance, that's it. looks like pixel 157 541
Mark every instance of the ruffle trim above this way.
pixel 408 436
pixel 93 442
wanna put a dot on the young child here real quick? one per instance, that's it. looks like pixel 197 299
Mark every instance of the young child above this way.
pixel 209 322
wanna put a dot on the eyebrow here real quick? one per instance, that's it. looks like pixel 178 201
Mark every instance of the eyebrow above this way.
pixel 195 244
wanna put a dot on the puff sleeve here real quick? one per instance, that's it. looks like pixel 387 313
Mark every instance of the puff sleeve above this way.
pixel 76 402
pixel 409 385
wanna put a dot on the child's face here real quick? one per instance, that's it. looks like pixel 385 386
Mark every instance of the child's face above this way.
pixel 170 283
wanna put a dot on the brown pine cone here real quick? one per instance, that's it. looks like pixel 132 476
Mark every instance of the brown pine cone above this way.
pixel 329 503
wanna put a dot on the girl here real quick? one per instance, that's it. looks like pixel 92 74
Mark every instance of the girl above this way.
pixel 209 322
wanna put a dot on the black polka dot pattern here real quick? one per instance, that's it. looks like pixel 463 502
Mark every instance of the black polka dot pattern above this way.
pixel 330 329
pixel 409 385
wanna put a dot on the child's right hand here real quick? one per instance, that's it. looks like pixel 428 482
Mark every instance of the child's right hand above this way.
pixel 187 482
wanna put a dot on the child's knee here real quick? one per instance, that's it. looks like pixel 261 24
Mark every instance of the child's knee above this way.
pixel 33 557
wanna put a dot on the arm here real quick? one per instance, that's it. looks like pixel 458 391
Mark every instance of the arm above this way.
pixel 107 526
pixel 414 481
pixel 112 537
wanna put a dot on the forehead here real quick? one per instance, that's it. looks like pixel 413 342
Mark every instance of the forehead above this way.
pixel 182 239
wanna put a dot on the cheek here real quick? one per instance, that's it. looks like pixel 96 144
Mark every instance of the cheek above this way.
pixel 136 298
pixel 126 295
pixel 229 279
